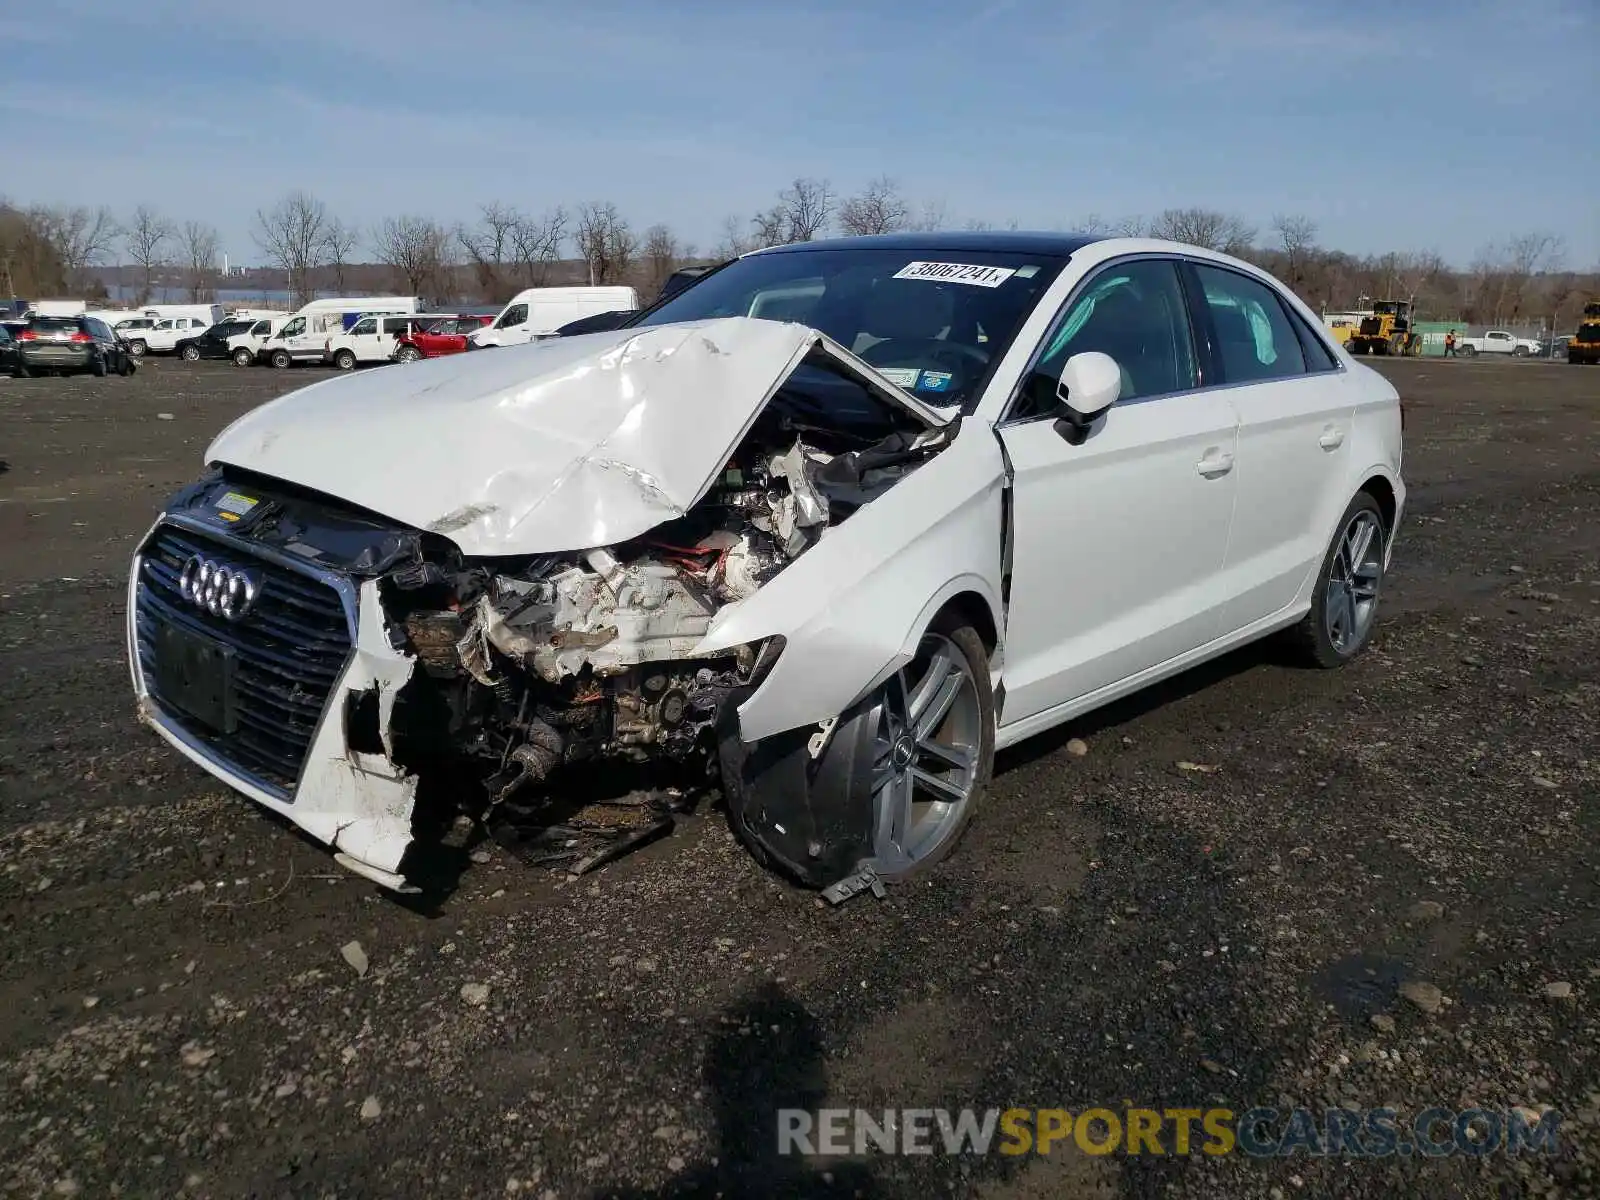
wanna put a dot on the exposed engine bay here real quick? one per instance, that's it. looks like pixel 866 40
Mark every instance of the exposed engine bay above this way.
pixel 538 664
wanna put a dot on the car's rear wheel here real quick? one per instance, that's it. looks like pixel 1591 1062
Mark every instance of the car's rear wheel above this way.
pixel 345 361
pixel 243 357
pixel 1344 602
pixel 137 348
pixel 281 360
pixel 190 354
pixel 1467 351
pixel 930 730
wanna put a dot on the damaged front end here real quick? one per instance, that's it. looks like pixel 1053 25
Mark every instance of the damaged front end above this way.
pixel 380 683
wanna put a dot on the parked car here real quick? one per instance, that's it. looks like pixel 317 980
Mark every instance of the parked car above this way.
pixel 212 342
pixel 448 335
pixel 10 357
pixel 1497 341
pixel 164 335
pixel 961 488
pixel 373 339
pixel 70 344
pixel 303 337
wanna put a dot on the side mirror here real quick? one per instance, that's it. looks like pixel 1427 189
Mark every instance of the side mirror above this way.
pixel 1090 384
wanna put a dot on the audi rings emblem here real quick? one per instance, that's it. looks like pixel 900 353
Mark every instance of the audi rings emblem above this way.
pixel 223 591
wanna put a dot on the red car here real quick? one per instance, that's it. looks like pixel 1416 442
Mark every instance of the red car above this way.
pixel 447 336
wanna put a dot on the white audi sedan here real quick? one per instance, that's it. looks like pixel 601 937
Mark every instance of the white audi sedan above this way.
pixel 823 531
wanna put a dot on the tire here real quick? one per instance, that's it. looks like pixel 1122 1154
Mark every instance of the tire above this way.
pixel 190 354
pixel 1332 643
pixel 97 367
pixel 24 371
pixel 407 354
pixel 1466 352
pixel 280 360
pixel 124 367
pixel 242 357
pixel 137 348
pixel 345 361
pixel 1519 352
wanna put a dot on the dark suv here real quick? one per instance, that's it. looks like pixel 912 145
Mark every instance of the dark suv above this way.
pixel 213 343
pixel 67 344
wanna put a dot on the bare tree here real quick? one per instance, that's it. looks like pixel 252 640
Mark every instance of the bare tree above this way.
pixel 147 240
pixel 771 228
pixel 808 206
pixel 80 237
pixel 537 242
pixel 1297 236
pixel 1527 255
pixel 1134 226
pixel 734 240
pixel 293 234
pixel 489 247
pixel 978 225
pixel 1093 225
pixel 1204 227
pixel 416 250
pixel 605 242
pixel 339 242
pixel 933 216
pixel 29 261
pixel 199 246
pixel 879 208
pixel 661 255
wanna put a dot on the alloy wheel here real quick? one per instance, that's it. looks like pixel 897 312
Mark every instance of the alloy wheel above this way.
pixel 1354 579
pixel 925 767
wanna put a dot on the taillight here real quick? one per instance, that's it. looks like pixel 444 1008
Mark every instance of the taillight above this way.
pixel 82 337
pixel 27 335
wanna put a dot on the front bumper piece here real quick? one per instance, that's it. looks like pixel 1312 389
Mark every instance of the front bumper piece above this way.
pixel 312 640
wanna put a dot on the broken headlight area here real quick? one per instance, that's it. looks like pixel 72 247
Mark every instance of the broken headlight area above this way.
pixel 568 684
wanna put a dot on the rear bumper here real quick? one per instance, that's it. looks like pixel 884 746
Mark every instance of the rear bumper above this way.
pixel 56 357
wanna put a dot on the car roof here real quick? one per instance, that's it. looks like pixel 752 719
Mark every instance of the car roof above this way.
pixel 1010 241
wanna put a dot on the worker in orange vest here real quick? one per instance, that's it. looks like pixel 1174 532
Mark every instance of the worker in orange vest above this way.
pixel 1450 344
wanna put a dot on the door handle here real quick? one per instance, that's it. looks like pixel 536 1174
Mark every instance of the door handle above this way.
pixel 1332 437
pixel 1215 463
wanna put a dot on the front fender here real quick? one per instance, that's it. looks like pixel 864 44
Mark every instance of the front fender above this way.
pixel 852 608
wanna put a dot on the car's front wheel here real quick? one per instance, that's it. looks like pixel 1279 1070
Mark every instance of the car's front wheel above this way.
pixel 921 751
pixel 190 354
pixel 243 357
pixel 1344 602
pixel 281 361
pixel 345 361
pixel 407 354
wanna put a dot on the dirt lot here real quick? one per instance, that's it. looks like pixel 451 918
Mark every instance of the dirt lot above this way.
pixel 176 1016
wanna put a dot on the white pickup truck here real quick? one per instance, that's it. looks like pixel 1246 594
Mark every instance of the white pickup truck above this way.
pixel 1497 341
pixel 163 337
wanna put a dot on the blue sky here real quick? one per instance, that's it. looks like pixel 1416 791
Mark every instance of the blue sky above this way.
pixel 1426 126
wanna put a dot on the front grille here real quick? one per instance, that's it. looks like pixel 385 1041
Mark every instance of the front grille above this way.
pixel 289 650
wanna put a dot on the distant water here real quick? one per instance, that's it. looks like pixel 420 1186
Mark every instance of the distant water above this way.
pixel 123 294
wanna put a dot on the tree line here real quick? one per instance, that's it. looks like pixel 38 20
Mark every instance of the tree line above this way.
pixel 1522 278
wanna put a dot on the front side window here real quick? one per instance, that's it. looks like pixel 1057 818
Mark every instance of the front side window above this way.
pixel 515 315
pixel 1132 311
pixel 366 325
pixel 294 328
pixel 1255 340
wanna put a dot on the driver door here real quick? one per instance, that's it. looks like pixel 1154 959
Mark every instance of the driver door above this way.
pixel 1118 543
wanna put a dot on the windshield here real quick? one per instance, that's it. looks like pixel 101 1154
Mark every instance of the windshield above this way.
pixel 1588 333
pixel 934 322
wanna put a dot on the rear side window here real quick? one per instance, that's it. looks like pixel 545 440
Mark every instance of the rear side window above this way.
pixel 397 325
pixel 1255 339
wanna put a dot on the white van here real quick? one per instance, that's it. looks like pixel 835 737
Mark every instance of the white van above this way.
pixel 304 336
pixel 207 314
pixel 539 312
pixel 373 339
pixel 242 347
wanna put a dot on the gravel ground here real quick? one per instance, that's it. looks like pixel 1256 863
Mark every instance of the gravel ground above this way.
pixel 182 1011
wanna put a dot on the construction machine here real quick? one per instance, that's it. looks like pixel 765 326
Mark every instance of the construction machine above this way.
pixel 1387 330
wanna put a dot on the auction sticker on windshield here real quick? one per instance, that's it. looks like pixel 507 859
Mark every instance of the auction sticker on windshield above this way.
pixel 968 273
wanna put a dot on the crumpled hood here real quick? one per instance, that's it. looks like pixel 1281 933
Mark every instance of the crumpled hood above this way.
pixel 553 446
